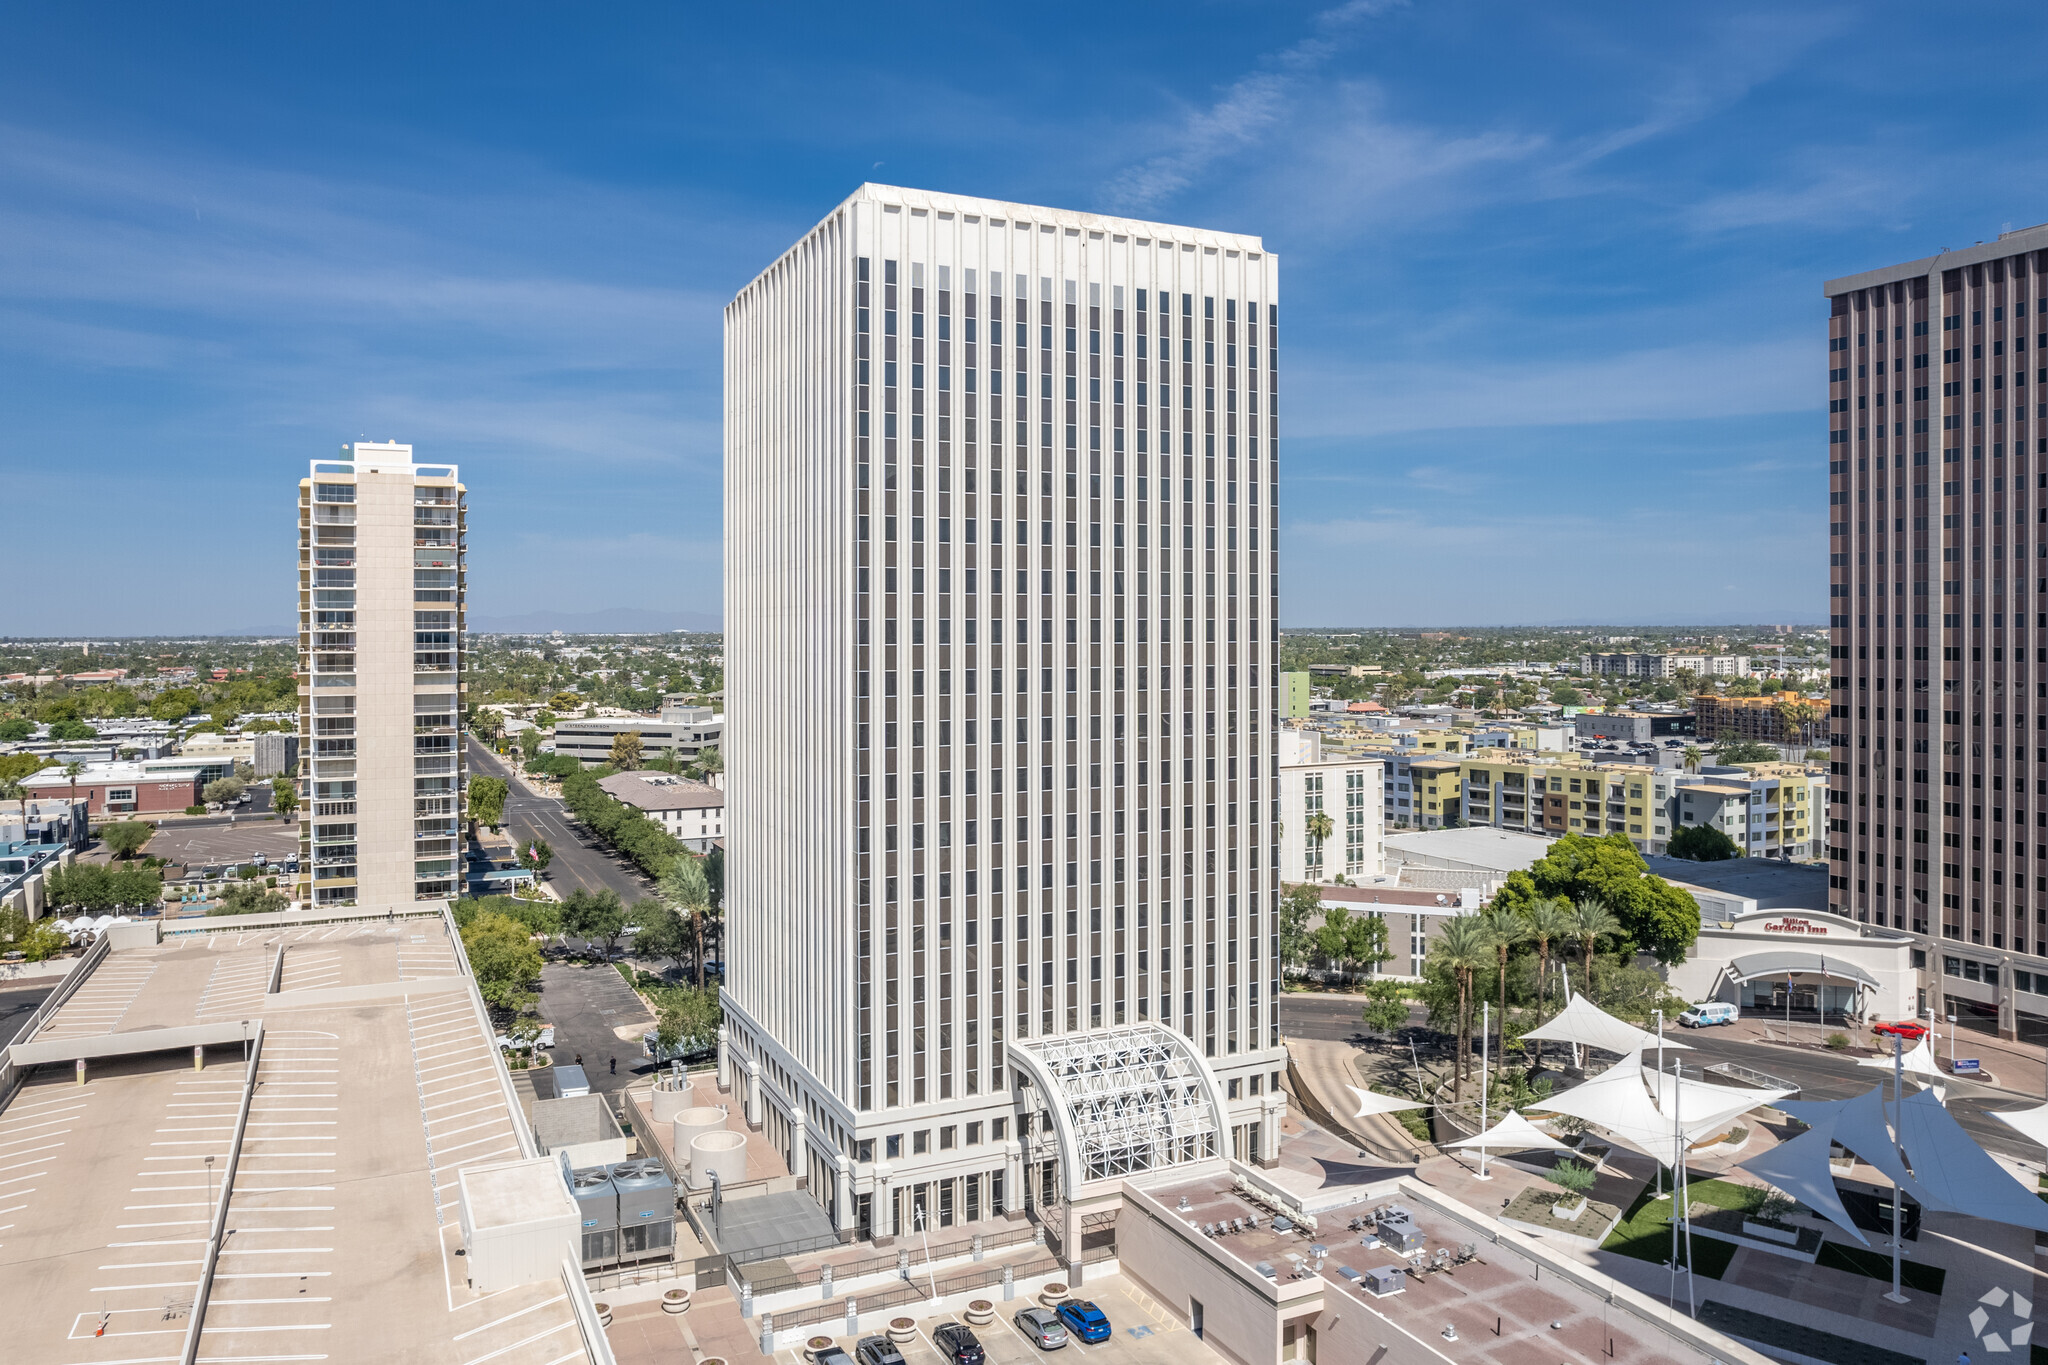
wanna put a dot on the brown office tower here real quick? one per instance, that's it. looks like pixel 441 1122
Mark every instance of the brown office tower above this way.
pixel 1934 544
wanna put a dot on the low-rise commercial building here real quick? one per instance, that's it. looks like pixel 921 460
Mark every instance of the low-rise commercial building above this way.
pixel 681 731
pixel 1631 727
pixel 121 789
pixel 692 812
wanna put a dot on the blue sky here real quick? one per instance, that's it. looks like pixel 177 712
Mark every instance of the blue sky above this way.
pixel 1550 274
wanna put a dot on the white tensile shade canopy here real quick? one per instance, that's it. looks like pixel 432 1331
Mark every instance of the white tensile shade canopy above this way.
pixel 2031 1124
pixel 1950 1172
pixel 1583 1022
pixel 1512 1134
pixel 1371 1102
pixel 1800 1168
pixel 1654 1113
pixel 1918 1062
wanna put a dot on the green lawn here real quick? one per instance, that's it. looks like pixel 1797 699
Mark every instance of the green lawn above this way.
pixel 1927 1279
pixel 1644 1232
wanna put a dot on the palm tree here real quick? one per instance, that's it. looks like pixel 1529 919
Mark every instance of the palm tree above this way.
pixel 1549 922
pixel 1504 929
pixel 71 771
pixel 1592 921
pixel 1320 828
pixel 684 890
pixel 1463 947
pixel 1692 758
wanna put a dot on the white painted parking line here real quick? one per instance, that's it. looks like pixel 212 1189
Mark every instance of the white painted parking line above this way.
pixel 530 1308
pixel 528 1341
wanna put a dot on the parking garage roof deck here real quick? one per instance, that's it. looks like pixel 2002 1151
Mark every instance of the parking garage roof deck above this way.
pixel 377 1082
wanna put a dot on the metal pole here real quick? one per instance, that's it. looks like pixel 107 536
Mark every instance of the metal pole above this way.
pixel 1898 1197
pixel 1660 1070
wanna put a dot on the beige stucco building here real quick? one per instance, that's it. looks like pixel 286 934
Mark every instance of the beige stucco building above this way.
pixel 381 544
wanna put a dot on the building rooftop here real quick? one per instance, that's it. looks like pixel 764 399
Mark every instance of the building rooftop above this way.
pixel 661 791
pixel 1480 847
pixel 376 1085
pixel 1772 884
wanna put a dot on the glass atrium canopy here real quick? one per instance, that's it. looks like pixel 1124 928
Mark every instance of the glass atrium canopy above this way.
pixel 1124 1100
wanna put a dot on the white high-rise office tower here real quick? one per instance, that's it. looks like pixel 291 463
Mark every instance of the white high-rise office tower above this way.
pixel 380 678
pixel 1000 595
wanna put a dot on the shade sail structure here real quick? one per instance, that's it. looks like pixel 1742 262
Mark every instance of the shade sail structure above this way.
pixel 1756 965
pixel 2031 1124
pixel 1583 1022
pixel 1861 1125
pixel 1371 1102
pixel 1800 1168
pixel 1657 1114
pixel 1959 1173
pixel 1919 1061
pixel 1512 1134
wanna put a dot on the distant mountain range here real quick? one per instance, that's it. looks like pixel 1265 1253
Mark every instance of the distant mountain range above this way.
pixel 611 621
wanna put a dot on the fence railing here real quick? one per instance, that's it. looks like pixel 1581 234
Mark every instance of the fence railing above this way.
pixel 197 1324
pixel 920 1288
pixel 11 1076
pixel 1760 1079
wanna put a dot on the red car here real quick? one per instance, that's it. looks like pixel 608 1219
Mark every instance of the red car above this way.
pixel 1905 1028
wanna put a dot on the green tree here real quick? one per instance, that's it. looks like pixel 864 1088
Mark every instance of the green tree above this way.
pixel 223 791
pixel 503 959
pixel 684 1015
pixel 686 891
pixel 1333 938
pixel 69 731
pixel 1298 905
pixel 15 730
pixel 1731 752
pixel 595 915
pixel 1567 695
pixel 487 800
pixel 529 743
pixel 627 751
pixel 663 934
pixel 71 772
pixel 1463 948
pixel 709 761
pixel 43 941
pixel 1366 941
pixel 1660 918
pixel 1702 844
pixel 1549 922
pixel 1506 931
pixel 1592 922
pixel 1692 758
pixel 125 838
pixel 247 898
pixel 1320 828
pixel 536 856
pixel 284 795
pixel 174 704
pixel 1386 1007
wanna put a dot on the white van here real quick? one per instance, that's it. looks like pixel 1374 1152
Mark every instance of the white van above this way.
pixel 1709 1014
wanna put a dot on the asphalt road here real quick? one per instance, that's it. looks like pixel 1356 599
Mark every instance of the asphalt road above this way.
pixel 1819 1075
pixel 587 1005
pixel 580 861
pixel 18 1003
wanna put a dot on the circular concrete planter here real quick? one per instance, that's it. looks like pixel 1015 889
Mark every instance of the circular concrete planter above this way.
pixel 675 1301
pixel 903 1331
pixel 1052 1294
pixel 981 1312
pixel 604 1314
pixel 815 1345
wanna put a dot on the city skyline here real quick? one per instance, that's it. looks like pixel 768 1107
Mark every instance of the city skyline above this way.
pixel 214 266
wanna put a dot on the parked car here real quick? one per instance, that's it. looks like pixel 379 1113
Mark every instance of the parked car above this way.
pixel 877 1351
pixel 1912 1030
pixel 1084 1320
pixel 956 1343
pixel 1709 1014
pixel 1042 1328
pixel 832 1355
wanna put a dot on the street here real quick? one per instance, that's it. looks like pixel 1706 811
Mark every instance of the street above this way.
pixel 1819 1075
pixel 589 1006
pixel 580 862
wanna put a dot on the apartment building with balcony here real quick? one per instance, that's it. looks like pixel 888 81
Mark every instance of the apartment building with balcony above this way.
pixel 1759 719
pixel 381 601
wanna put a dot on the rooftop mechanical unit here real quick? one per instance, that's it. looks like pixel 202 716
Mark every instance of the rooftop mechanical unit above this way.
pixel 1397 1230
pixel 597 1205
pixel 647 1210
pixel 1381 1280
